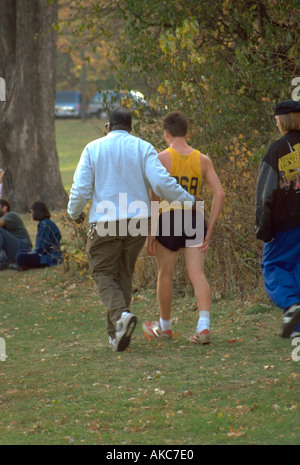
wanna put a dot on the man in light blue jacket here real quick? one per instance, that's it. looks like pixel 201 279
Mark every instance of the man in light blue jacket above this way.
pixel 117 172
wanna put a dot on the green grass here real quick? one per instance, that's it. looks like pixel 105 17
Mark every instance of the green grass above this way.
pixel 71 138
pixel 61 384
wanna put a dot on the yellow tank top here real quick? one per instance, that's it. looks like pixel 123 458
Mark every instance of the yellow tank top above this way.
pixel 186 169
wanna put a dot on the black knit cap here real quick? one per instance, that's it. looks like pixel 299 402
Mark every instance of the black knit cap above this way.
pixel 120 118
pixel 287 106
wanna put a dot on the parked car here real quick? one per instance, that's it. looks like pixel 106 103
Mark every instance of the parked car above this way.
pixel 68 104
pixel 104 102
pixel 139 102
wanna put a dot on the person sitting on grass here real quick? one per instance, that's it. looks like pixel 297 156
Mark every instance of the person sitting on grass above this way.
pixel 13 235
pixel 47 250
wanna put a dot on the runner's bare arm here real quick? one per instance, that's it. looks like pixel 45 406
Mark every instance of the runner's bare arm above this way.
pixel 165 159
pixel 212 181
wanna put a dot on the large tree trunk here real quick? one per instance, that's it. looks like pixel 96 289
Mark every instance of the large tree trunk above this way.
pixel 27 123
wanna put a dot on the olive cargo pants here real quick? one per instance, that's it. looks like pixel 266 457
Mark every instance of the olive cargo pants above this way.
pixel 112 261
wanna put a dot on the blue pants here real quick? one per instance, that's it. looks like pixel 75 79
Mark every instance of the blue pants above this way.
pixel 29 260
pixel 281 269
pixel 10 244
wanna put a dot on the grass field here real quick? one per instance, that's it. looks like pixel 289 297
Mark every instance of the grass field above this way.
pixel 61 384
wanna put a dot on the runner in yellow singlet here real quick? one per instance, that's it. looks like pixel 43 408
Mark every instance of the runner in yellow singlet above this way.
pixel 190 167
pixel 186 169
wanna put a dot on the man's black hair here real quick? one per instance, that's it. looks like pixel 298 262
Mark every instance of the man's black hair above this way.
pixel 120 118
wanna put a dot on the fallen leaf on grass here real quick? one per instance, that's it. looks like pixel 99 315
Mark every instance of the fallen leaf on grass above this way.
pixel 293 407
pixel 161 392
pixel 234 434
pixel 176 335
pixel 12 391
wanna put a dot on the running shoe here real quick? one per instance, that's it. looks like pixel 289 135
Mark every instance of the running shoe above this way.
pixel 290 318
pixel 154 331
pixel 201 338
pixel 111 343
pixel 124 329
pixel 295 334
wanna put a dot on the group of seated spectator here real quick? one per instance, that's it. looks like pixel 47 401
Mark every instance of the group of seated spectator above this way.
pixel 15 244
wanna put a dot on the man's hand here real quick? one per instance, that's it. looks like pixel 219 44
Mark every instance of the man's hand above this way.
pixel 150 246
pixel 203 248
pixel 80 219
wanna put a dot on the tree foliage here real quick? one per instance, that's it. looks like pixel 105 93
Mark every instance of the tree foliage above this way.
pixel 225 64
pixel 77 23
pixel 221 62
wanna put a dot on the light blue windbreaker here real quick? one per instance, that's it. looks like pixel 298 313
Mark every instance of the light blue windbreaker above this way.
pixel 121 166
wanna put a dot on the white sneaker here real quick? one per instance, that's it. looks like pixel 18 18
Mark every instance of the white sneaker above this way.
pixel 290 318
pixel 295 334
pixel 154 331
pixel 111 343
pixel 124 329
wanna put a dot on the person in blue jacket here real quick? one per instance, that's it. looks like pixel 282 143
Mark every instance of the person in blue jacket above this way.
pixel 47 250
